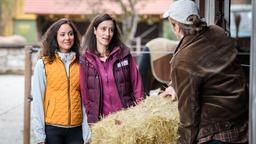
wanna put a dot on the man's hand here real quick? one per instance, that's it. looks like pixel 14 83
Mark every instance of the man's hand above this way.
pixel 169 92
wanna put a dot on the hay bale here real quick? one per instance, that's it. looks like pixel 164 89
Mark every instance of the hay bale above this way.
pixel 153 121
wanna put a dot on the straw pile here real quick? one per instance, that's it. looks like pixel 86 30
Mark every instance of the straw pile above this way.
pixel 153 121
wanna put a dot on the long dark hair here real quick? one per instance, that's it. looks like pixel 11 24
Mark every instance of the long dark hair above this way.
pixel 89 40
pixel 197 25
pixel 49 42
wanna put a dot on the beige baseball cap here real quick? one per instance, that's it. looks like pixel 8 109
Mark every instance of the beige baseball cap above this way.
pixel 180 10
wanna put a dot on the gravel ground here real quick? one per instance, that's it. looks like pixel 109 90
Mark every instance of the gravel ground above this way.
pixel 11 109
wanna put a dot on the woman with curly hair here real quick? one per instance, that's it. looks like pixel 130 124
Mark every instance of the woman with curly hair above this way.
pixel 59 115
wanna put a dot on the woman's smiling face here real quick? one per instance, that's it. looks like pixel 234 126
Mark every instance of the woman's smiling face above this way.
pixel 65 38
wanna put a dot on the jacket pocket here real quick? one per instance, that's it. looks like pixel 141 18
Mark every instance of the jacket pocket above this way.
pixel 50 108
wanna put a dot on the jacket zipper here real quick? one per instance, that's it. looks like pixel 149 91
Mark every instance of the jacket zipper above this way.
pixel 69 105
pixel 68 79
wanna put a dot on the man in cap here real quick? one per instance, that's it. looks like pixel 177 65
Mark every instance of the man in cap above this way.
pixel 209 83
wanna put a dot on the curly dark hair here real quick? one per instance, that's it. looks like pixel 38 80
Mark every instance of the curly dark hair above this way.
pixel 49 42
pixel 89 40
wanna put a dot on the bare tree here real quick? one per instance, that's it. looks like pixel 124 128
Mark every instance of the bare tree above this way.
pixel 129 19
pixel 1 18
pixel 6 13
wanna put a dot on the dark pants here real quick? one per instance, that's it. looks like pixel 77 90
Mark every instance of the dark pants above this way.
pixel 58 135
pixel 220 142
pixel 216 142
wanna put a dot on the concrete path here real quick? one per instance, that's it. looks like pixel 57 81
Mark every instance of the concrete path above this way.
pixel 11 109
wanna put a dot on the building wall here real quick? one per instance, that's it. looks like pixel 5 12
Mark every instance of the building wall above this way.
pixel 27 29
pixel 241 1
pixel 24 24
pixel 12 60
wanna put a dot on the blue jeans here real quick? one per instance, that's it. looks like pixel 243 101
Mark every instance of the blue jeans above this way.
pixel 58 135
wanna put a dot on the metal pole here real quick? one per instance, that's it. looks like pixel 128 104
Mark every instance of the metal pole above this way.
pixel 227 4
pixel 210 11
pixel 27 98
pixel 252 102
pixel 138 44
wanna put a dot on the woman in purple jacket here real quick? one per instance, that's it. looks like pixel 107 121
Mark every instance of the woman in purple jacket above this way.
pixel 109 77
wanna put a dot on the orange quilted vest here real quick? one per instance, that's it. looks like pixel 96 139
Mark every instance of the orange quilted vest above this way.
pixel 62 102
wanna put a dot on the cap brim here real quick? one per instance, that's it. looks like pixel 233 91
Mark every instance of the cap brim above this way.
pixel 166 14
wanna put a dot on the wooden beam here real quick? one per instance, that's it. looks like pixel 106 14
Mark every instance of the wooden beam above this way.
pixel 27 97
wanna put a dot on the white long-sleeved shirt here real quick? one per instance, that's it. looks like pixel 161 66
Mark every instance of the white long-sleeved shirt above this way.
pixel 38 91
